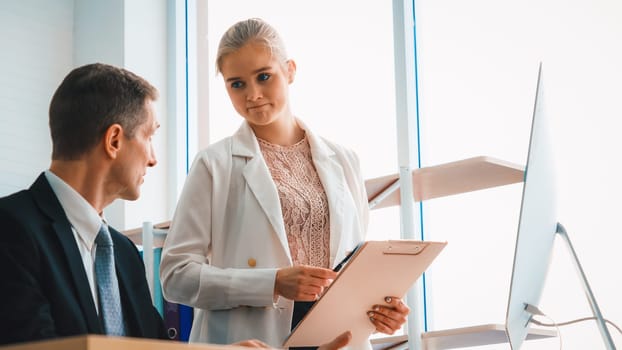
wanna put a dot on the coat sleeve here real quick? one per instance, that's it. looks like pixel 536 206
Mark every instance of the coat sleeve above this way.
pixel 186 273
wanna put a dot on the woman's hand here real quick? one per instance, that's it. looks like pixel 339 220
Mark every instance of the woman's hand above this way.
pixel 253 343
pixel 342 340
pixel 389 317
pixel 303 283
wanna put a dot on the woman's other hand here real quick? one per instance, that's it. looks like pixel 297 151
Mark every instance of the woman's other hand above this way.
pixel 389 317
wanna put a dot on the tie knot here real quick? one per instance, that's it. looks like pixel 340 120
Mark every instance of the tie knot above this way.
pixel 103 237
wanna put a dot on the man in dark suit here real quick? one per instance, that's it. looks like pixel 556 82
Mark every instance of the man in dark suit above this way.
pixel 51 247
pixel 101 120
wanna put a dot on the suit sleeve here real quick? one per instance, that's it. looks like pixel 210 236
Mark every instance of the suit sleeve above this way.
pixel 185 270
pixel 25 310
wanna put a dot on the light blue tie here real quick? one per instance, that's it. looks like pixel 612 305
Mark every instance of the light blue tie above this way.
pixel 107 284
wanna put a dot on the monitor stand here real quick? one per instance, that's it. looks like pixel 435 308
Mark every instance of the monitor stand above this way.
pixel 604 332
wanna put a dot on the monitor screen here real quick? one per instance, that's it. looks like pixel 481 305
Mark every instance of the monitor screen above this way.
pixel 537 225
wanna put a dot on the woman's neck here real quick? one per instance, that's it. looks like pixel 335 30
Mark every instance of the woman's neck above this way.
pixel 281 132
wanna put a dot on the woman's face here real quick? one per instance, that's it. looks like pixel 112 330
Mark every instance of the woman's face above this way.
pixel 257 84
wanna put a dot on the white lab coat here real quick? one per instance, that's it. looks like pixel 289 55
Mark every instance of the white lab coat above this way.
pixel 229 218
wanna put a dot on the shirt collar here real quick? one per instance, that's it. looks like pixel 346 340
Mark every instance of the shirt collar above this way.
pixel 83 217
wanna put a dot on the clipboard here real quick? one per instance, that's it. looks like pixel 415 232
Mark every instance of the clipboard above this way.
pixel 377 269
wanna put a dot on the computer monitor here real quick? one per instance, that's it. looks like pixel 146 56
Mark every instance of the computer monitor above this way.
pixel 537 225
pixel 537 229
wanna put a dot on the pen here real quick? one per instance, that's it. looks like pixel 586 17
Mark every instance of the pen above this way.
pixel 347 258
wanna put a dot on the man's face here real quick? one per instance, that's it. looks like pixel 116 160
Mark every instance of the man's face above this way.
pixel 135 156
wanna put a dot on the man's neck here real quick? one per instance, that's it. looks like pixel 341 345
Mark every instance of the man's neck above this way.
pixel 86 178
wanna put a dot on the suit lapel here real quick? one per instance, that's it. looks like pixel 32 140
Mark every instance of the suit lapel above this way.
pixel 332 177
pixel 259 180
pixel 47 201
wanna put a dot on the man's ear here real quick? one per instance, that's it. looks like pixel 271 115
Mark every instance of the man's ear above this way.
pixel 113 140
pixel 291 70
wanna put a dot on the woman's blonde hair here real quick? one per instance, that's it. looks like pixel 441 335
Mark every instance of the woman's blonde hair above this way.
pixel 252 29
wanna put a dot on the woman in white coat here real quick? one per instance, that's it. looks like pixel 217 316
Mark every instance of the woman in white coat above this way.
pixel 267 212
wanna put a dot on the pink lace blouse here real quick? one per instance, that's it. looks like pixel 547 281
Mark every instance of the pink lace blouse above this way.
pixel 303 201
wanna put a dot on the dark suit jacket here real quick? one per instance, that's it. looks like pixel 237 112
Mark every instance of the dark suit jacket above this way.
pixel 44 290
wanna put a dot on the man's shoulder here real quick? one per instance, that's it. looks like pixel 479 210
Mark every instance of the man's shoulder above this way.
pixel 20 218
pixel 25 198
pixel 17 202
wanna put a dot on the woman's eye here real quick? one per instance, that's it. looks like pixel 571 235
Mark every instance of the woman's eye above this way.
pixel 263 77
pixel 237 84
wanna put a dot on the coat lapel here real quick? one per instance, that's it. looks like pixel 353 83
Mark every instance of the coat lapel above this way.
pixel 47 201
pixel 259 180
pixel 332 177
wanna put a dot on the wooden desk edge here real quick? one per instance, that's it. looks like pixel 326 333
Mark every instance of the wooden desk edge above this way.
pixel 101 342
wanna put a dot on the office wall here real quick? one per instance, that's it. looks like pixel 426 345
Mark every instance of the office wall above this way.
pixel 36 52
pixel 99 32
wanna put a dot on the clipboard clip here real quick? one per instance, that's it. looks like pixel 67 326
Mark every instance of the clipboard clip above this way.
pixel 405 247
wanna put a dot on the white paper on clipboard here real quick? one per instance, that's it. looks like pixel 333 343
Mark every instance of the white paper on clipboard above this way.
pixel 376 270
